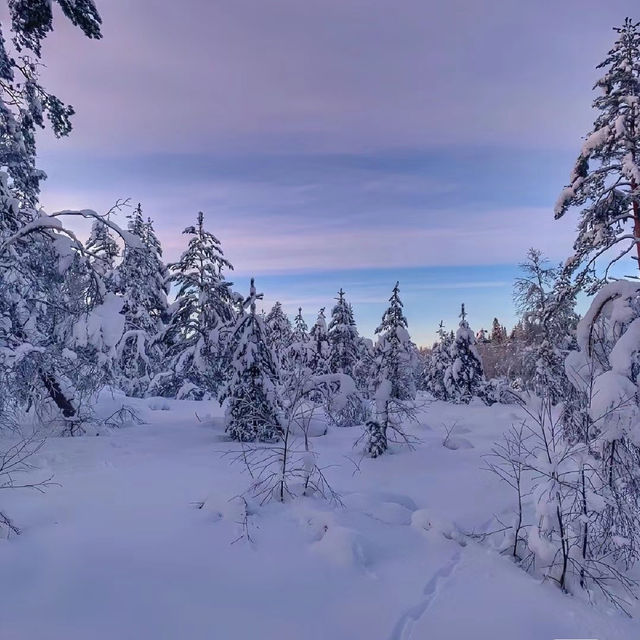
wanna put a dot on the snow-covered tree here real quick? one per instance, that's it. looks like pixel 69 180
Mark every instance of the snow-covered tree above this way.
pixel 605 182
pixel 437 364
pixel 57 322
pixel 605 412
pixel 345 351
pixel 24 102
pixel 394 351
pixel 319 339
pixel 343 337
pixel 562 528
pixel 548 322
pixel 376 439
pixel 301 351
pixel 103 248
pixel 464 378
pixel 498 332
pixel 279 332
pixel 252 389
pixel 199 319
pixel 140 279
pixel 300 328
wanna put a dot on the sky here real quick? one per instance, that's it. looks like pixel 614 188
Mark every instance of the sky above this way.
pixel 338 143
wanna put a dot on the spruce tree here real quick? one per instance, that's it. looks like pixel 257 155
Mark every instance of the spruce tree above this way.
pixel 199 319
pixel 345 352
pixel 498 332
pixel 343 338
pixel 437 365
pixel 103 248
pixel 140 280
pixel 300 353
pixel 394 351
pixel 376 439
pixel 319 343
pixel 464 378
pixel 279 332
pixel 252 389
pixel 605 182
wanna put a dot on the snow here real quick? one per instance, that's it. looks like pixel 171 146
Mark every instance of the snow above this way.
pixel 103 325
pixel 595 140
pixel 142 537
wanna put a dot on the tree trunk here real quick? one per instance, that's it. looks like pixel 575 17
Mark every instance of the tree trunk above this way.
pixel 54 390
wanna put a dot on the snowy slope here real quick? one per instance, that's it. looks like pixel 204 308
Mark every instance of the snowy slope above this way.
pixel 120 550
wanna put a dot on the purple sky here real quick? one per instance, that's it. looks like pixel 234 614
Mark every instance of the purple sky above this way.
pixel 335 135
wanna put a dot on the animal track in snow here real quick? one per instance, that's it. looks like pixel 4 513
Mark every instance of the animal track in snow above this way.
pixel 404 626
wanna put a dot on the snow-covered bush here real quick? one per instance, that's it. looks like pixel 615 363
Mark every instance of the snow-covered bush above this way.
pixel 604 410
pixel 558 529
pixel 376 439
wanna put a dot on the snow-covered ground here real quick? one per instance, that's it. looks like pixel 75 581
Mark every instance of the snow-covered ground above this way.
pixel 120 549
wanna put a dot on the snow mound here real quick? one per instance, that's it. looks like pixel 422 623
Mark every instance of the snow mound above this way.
pixel 343 547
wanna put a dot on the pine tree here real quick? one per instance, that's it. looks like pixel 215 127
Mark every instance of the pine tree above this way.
pixel 24 103
pixel 464 378
pixel 437 364
pixel 345 350
pixel 199 319
pixel 497 332
pixel 606 177
pixel 301 352
pixel 252 411
pixel 319 339
pixel 300 328
pixel 279 332
pixel 376 439
pixel 394 351
pixel 140 280
pixel 343 338
pixel 103 248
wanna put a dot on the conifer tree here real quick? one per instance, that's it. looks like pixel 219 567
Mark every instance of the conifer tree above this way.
pixel 605 182
pixel 103 248
pixel 300 328
pixel 253 410
pixel 343 338
pixel 320 348
pixel 548 322
pixel 345 352
pixel 464 378
pixel 279 332
pixel 437 364
pixel 376 439
pixel 394 351
pixel 199 319
pixel 140 280
pixel 498 332
pixel 301 352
